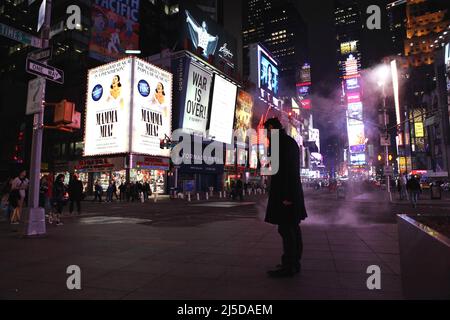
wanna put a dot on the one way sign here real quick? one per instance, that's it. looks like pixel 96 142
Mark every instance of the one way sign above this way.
pixel 46 71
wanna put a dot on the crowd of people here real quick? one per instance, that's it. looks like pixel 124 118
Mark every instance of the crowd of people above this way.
pixel 126 191
pixel 237 188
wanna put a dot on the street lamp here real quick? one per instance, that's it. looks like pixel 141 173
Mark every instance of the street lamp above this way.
pixel 382 74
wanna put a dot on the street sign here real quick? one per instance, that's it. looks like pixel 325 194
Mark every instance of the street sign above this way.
pixel 41 55
pixel 46 71
pixel 388 171
pixel 41 17
pixel 20 36
pixel 385 140
pixel 36 89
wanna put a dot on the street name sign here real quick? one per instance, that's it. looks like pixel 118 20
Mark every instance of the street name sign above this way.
pixel 41 55
pixel 46 71
pixel 385 140
pixel 20 36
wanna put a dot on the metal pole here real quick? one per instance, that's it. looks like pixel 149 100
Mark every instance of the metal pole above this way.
pixel 388 184
pixel 36 215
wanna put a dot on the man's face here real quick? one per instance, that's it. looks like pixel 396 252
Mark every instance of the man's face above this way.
pixel 204 25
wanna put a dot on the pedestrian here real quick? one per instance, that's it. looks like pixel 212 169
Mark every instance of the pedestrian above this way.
pixel 147 190
pixel 286 206
pixel 122 191
pixel 239 189
pixel 98 191
pixel 75 193
pixel 128 191
pixel 399 188
pixel 18 192
pixel 403 182
pixel 414 189
pixel 109 192
pixel 233 189
pixel 5 205
pixel 114 191
pixel 58 199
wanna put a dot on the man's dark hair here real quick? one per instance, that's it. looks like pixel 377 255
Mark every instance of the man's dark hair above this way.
pixel 274 122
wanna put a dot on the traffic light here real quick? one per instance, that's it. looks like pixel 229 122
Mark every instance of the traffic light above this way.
pixel 64 111
pixel 390 157
pixel 380 157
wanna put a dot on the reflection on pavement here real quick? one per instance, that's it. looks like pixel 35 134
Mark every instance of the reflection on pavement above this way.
pixel 113 220
pixel 223 204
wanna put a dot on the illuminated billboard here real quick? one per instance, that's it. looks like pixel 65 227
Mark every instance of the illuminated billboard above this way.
pixel 356 136
pixel 115 29
pixel 355 113
pixel 244 113
pixel 108 109
pixel 447 73
pixel 125 114
pixel 206 35
pixel 222 110
pixel 152 109
pixel 195 109
pixel 269 74
pixel 352 84
pixel 358 159
pixel 349 47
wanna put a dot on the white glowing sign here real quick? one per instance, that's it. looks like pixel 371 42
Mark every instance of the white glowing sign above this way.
pixel 195 116
pixel 115 123
pixel 222 110
pixel 108 109
pixel 152 109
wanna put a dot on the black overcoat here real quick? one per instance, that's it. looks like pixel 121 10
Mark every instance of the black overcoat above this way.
pixel 285 185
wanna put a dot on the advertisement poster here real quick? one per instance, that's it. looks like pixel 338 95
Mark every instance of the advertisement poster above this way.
pixel 269 74
pixel 115 29
pixel 447 73
pixel 253 163
pixel 108 109
pixel 356 135
pixel 244 113
pixel 222 110
pixel 195 116
pixel 152 108
pixel 205 34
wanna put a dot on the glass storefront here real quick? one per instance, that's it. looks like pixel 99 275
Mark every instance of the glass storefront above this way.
pixel 156 179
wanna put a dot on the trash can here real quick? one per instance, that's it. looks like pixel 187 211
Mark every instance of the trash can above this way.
pixel 436 192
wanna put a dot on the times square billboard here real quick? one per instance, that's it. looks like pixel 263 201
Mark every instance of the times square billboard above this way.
pixel 128 108
pixel 115 29
pixel 265 73
pixel 204 34
pixel 355 124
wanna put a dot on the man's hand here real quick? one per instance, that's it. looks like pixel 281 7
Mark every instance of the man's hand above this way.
pixel 287 203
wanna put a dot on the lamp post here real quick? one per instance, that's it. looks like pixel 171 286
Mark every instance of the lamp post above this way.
pixel 382 74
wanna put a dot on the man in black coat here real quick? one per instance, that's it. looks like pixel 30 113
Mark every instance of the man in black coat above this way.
pixel 286 205
pixel 75 193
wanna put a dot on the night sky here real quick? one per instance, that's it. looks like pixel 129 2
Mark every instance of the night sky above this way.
pixel 319 16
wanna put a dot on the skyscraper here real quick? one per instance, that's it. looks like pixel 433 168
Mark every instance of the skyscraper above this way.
pixel 280 28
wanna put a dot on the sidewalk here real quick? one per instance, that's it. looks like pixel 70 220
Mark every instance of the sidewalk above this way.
pixel 217 260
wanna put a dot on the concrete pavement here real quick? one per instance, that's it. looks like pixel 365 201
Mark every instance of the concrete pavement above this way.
pixel 198 253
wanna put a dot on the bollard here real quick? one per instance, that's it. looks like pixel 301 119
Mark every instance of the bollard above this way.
pixel 189 197
pixel 198 196
pixel 220 194
pixel 207 196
